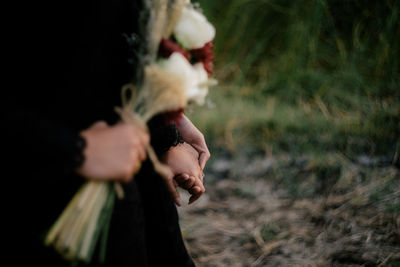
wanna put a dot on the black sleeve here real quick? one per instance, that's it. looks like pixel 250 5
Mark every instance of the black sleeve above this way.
pixel 44 146
pixel 163 136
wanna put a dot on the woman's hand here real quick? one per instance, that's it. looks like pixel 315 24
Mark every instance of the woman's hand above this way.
pixel 113 152
pixel 195 138
pixel 183 162
pixel 194 185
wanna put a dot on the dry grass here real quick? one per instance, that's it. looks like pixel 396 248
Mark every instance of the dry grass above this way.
pixel 247 220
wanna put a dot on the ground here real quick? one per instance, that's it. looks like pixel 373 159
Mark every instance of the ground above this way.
pixel 249 217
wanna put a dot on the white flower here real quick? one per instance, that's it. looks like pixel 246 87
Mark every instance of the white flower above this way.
pixel 193 30
pixel 198 94
pixel 195 78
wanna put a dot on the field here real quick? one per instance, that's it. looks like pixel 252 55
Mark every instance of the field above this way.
pixel 304 131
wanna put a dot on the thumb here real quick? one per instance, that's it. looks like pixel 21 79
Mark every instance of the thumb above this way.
pixel 203 157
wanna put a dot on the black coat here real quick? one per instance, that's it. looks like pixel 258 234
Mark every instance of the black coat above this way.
pixel 66 63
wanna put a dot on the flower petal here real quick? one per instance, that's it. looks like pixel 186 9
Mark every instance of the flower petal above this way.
pixel 193 30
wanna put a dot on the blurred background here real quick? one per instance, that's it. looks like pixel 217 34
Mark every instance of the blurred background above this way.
pixel 304 132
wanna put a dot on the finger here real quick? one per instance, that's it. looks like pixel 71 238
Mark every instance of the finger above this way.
pixel 194 198
pixel 141 153
pixel 197 194
pixel 200 184
pixel 99 125
pixel 131 169
pixel 144 137
pixel 140 134
pixel 189 183
pixel 127 177
pixel 137 167
pixel 181 178
pixel 185 182
pixel 173 191
pixel 204 156
pixel 195 190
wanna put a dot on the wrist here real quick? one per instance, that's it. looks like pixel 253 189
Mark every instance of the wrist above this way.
pixel 79 156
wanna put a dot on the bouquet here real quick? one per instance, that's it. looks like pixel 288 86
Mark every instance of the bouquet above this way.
pixel 175 62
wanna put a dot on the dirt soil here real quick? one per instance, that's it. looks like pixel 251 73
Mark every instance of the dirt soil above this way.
pixel 245 219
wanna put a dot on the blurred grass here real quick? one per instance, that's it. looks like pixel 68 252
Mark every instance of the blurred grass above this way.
pixel 305 76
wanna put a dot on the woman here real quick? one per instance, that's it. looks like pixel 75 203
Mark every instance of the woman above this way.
pixel 70 60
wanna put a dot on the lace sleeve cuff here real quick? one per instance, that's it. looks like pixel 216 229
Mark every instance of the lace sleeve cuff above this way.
pixel 49 146
pixel 76 153
pixel 163 136
pixel 68 146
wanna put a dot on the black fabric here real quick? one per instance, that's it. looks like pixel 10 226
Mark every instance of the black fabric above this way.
pixel 164 136
pixel 66 63
pixel 164 246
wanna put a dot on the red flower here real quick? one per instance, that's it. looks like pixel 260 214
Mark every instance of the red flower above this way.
pixel 167 47
pixel 205 55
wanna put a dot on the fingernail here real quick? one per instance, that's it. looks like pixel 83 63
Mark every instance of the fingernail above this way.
pixel 178 201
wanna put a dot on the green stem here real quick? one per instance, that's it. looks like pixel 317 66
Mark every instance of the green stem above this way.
pixel 106 226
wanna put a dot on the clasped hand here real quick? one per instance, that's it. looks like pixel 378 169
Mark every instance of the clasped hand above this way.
pixel 184 164
pixel 115 153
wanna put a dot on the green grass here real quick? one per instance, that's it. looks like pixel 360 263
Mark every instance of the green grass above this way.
pixel 305 76
pixel 315 126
